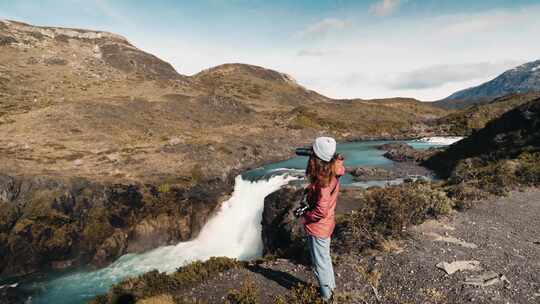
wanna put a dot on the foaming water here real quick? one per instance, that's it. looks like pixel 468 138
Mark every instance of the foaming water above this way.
pixel 234 232
pixel 439 140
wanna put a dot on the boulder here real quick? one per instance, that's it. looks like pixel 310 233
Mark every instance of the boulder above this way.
pixel 282 233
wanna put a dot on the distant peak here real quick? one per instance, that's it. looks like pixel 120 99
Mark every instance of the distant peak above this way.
pixel 524 78
pixel 252 70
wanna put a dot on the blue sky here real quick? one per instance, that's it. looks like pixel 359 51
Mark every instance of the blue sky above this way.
pixel 374 48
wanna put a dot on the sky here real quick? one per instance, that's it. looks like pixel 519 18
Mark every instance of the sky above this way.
pixel 425 49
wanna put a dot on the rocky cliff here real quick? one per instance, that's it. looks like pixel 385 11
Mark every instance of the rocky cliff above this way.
pixel 58 223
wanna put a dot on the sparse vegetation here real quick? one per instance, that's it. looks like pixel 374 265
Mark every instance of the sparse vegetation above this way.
pixel 247 294
pixel 385 212
pixel 155 283
pixel 301 294
pixel 197 174
pixel 466 121
pixel 164 188
pixel 308 294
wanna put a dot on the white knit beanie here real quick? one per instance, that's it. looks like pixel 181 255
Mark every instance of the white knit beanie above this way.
pixel 324 148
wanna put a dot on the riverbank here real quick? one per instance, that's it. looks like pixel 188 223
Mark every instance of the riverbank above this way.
pixel 498 233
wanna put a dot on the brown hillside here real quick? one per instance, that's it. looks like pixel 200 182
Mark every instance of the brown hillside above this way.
pixel 89 103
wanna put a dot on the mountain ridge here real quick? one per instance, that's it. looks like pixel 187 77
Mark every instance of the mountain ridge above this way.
pixel 522 79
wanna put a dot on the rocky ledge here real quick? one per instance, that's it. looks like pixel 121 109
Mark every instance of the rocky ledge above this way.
pixel 57 223
pixel 395 171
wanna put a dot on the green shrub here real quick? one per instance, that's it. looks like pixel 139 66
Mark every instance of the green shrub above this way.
pixel 493 177
pixel 155 283
pixel 464 195
pixel 199 271
pixel 394 208
pixel 247 294
pixel 529 168
pixel 164 188
pixel 385 212
pixel 308 294
pixel 301 294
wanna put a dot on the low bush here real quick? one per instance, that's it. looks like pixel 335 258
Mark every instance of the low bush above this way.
pixel 301 294
pixel 528 172
pixel 385 212
pixel 493 177
pixel 199 271
pixel 308 294
pixel 475 179
pixel 155 283
pixel 247 294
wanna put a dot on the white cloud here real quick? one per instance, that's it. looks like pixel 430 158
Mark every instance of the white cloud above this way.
pixel 465 24
pixel 384 7
pixel 408 57
pixel 438 75
pixel 323 27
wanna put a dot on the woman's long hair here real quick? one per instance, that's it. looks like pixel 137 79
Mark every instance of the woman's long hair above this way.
pixel 320 172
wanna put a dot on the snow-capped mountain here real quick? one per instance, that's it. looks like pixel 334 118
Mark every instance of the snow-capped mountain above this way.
pixel 522 79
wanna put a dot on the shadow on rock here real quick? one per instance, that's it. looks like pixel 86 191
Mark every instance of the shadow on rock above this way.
pixel 282 278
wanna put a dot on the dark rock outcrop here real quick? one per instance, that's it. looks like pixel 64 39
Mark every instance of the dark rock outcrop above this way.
pixel 397 170
pixel 515 132
pixel 401 152
pixel 371 173
pixel 9 295
pixel 282 233
pixel 52 223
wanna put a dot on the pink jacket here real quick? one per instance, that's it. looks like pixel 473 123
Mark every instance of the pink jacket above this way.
pixel 320 221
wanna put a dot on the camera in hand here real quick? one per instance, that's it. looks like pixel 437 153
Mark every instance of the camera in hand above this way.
pixel 304 151
pixel 298 212
pixel 304 205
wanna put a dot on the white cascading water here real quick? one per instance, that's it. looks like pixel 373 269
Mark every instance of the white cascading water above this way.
pixel 234 232
pixel 440 140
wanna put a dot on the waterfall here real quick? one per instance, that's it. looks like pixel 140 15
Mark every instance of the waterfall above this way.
pixel 235 232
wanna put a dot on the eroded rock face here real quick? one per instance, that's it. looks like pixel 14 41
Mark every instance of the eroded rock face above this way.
pixel 48 223
pixel 283 234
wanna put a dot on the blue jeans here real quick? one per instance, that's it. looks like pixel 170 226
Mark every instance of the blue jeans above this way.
pixel 321 260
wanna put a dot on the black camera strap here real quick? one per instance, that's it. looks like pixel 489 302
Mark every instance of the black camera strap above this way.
pixel 335 187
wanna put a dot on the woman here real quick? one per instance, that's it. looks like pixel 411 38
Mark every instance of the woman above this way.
pixel 323 172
